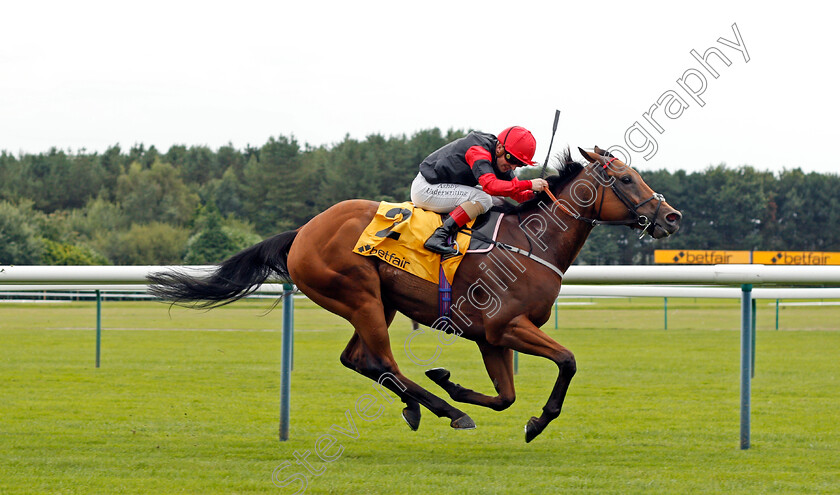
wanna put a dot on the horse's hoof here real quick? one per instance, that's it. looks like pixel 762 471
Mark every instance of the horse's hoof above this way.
pixel 438 375
pixel 463 423
pixel 412 418
pixel 532 429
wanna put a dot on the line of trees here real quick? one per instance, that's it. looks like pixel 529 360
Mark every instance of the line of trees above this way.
pixel 739 209
pixel 195 205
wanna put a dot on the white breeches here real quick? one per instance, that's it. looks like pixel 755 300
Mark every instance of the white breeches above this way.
pixel 443 198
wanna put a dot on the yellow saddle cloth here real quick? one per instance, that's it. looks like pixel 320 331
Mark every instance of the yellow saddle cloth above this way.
pixel 396 236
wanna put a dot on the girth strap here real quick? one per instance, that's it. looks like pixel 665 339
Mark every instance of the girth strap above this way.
pixel 512 249
pixel 444 295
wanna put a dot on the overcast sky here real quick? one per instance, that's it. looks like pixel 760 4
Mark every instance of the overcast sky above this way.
pixel 86 74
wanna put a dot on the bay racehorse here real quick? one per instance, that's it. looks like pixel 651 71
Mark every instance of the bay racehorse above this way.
pixel 499 306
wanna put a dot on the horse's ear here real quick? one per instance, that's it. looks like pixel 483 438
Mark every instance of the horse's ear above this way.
pixel 590 157
pixel 603 152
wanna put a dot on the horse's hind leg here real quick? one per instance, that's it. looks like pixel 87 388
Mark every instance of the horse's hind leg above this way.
pixel 499 364
pixel 356 352
pixel 411 411
pixel 349 285
pixel 378 363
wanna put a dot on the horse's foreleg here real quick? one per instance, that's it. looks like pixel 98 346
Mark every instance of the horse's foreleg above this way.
pixel 499 364
pixel 523 336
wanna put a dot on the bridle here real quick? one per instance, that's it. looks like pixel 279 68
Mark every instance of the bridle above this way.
pixel 642 221
pixel 638 220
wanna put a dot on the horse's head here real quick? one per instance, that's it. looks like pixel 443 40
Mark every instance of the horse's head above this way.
pixel 627 199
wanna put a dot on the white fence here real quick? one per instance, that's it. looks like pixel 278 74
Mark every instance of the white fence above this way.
pixel 600 275
pixel 745 276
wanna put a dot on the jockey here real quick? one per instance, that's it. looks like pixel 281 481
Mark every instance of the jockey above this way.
pixel 463 177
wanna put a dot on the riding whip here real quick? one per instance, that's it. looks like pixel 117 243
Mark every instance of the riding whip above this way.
pixel 553 132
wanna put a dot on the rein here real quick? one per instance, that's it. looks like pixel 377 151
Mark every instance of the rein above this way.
pixel 640 220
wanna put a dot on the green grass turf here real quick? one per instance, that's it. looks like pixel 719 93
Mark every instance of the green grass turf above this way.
pixel 187 402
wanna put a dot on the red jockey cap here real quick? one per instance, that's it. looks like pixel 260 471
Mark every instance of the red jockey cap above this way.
pixel 519 142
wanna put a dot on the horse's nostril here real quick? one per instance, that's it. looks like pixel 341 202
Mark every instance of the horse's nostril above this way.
pixel 673 217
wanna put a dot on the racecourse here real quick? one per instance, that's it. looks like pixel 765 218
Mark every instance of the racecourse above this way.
pixel 187 402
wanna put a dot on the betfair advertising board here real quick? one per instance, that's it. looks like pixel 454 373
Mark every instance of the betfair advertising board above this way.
pixel 714 257
pixel 700 257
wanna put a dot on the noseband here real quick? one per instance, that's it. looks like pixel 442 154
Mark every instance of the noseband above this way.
pixel 647 225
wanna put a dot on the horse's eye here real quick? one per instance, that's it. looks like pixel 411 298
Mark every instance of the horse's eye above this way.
pixel 626 179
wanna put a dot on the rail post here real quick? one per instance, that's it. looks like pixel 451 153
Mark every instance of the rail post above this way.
pixel 746 353
pixel 515 362
pixel 98 325
pixel 752 357
pixel 286 363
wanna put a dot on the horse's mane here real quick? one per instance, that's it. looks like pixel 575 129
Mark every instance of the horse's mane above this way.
pixel 567 170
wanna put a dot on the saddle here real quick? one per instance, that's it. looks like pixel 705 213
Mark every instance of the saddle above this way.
pixel 484 230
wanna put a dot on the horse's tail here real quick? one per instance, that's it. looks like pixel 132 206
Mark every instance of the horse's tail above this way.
pixel 231 280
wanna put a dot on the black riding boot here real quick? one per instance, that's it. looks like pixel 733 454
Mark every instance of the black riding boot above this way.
pixel 437 242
